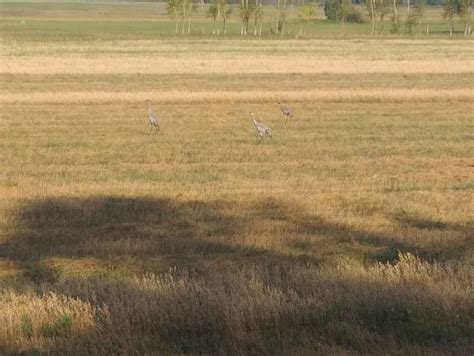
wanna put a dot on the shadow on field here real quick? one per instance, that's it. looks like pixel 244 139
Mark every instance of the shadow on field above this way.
pixel 108 227
pixel 186 276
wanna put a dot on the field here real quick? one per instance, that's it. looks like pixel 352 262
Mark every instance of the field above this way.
pixel 349 232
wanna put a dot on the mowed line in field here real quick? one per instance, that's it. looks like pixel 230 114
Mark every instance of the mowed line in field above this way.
pixel 219 65
pixel 349 95
pixel 366 49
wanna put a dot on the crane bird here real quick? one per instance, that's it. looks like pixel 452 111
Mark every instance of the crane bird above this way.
pixel 152 117
pixel 287 111
pixel 262 130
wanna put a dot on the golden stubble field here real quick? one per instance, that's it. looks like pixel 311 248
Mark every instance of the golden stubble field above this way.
pixel 349 232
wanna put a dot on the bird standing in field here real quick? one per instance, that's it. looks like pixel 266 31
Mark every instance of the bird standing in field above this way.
pixel 262 130
pixel 152 117
pixel 287 111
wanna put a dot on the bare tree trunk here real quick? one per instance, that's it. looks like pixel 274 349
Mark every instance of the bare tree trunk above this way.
pixel 395 13
pixel 203 16
pixel 283 19
pixel 243 19
pixel 277 17
pixel 218 19
pixel 408 8
pixel 225 25
pixel 246 30
pixel 291 10
pixel 177 25
pixel 189 17
pixel 382 15
pixel 184 17
pixel 372 15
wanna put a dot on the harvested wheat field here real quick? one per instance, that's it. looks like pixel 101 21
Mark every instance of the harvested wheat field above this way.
pixel 350 231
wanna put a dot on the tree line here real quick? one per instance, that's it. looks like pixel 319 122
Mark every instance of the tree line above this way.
pixel 250 13
pixel 380 10
pixel 384 15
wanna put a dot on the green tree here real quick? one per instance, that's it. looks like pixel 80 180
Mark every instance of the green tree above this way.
pixel 203 12
pixel 395 19
pixel 341 10
pixel 330 9
pixel 245 12
pixel 173 10
pixel 382 9
pixel 214 15
pixel 305 13
pixel 411 23
pixel 377 10
pixel 282 19
pixel 258 16
pixel 373 18
pixel 450 9
pixel 190 9
pixel 344 9
pixel 465 15
pixel 225 10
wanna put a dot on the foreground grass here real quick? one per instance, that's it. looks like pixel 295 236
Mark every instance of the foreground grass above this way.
pixel 349 232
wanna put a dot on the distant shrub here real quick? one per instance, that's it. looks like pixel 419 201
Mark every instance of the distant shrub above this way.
pixel 355 16
pixel 330 7
pixel 395 25
pixel 336 10
pixel 411 23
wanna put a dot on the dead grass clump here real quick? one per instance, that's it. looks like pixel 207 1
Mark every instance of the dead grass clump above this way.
pixel 278 305
pixel 31 322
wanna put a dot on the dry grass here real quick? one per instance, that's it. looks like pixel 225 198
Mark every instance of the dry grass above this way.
pixel 213 243
pixel 322 95
pixel 249 277
pixel 232 48
pixel 243 65
pixel 32 322
pixel 350 232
